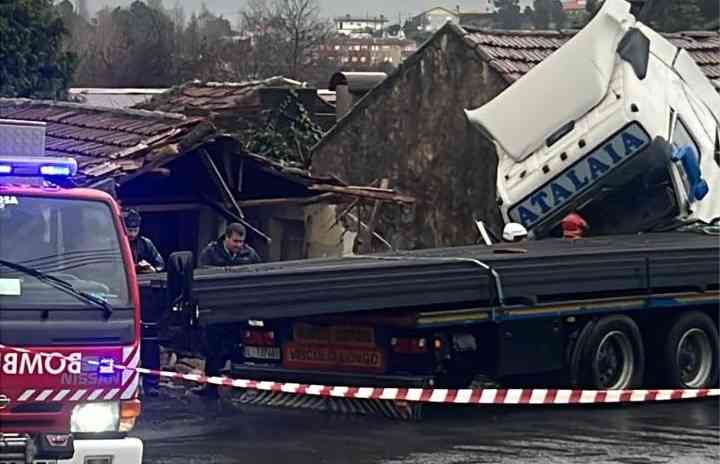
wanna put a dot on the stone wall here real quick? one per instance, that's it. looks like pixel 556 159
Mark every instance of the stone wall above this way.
pixel 413 129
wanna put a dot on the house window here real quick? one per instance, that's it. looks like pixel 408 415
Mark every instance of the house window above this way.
pixel 292 246
pixel 354 59
pixel 362 59
pixel 337 47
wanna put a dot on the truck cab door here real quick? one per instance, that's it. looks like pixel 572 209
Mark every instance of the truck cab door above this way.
pixel 693 125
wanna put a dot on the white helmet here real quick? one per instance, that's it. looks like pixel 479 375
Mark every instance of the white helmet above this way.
pixel 514 232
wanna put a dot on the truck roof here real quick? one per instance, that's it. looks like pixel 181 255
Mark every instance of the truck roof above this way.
pixel 53 191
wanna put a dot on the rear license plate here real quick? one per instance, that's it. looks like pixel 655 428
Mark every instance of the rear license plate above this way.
pixel 302 356
pixel 262 352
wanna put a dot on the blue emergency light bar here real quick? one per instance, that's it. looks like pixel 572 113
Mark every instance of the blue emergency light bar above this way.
pixel 37 166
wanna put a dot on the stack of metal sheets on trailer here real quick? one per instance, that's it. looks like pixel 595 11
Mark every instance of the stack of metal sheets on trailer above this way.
pixel 539 272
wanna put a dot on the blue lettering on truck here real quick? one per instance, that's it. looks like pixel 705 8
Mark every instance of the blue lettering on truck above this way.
pixel 631 140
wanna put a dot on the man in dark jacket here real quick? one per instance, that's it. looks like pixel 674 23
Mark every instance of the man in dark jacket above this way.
pixel 229 250
pixel 146 256
pixel 147 259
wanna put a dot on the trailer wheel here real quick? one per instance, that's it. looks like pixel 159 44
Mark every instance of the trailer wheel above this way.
pixel 691 352
pixel 613 355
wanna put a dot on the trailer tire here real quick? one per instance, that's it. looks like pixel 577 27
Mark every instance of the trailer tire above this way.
pixel 691 352
pixel 613 355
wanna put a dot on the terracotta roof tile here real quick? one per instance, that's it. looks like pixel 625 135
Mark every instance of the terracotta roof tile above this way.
pixel 514 53
pixel 95 135
pixel 214 96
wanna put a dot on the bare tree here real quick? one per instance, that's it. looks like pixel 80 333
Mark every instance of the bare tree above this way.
pixel 287 31
pixel 82 9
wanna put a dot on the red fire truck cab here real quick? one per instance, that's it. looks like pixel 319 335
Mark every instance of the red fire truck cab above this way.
pixel 69 314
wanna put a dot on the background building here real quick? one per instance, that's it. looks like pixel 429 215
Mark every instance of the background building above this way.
pixel 353 25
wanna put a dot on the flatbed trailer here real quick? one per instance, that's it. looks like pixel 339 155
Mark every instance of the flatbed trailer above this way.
pixel 598 312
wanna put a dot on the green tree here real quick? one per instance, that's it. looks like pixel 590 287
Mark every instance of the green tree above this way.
pixel 541 14
pixel 557 14
pixel 592 6
pixel 710 10
pixel 33 62
pixel 156 5
pixel 508 14
pixel 676 15
pixel 131 47
pixel 214 28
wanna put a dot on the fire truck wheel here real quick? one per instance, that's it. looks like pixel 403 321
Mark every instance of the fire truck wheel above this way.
pixel 691 352
pixel 613 355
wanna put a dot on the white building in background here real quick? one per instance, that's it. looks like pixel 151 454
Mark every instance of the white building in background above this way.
pixel 112 97
pixel 488 6
pixel 353 25
pixel 435 18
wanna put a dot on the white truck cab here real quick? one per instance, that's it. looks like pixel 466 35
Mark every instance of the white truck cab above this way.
pixel 618 124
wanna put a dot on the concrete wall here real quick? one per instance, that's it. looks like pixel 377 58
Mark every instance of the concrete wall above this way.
pixel 413 130
pixel 324 237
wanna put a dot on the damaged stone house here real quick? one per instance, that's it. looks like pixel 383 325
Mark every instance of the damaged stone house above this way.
pixel 412 128
pixel 188 179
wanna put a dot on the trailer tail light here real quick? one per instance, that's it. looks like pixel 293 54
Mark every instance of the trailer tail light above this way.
pixel 409 345
pixel 259 338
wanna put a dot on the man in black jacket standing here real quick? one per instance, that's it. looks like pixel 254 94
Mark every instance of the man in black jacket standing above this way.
pixel 229 250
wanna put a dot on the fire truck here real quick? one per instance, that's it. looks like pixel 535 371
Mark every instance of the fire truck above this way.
pixel 69 313
pixel 630 139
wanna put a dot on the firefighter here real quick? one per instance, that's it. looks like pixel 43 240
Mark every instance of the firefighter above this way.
pixel 574 226
pixel 147 259
pixel 145 255
pixel 230 249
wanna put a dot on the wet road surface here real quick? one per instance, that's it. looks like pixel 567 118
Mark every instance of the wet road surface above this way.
pixel 188 430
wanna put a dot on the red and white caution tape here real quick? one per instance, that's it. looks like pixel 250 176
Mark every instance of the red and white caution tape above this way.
pixel 536 396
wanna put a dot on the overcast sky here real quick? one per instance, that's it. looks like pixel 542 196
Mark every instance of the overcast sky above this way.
pixel 330 8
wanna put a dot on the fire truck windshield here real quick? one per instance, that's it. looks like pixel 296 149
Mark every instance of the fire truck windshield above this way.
pixel 74 242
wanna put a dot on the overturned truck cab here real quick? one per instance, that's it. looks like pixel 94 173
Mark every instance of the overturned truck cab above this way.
pixel 618 124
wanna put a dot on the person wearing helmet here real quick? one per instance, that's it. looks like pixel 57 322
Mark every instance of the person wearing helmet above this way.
pixel 514 232
pixel 146 256
pixel 574 226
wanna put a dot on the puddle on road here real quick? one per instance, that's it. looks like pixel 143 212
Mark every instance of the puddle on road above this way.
pixel 192 430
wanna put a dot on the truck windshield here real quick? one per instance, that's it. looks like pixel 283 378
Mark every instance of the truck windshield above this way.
pixel 73 240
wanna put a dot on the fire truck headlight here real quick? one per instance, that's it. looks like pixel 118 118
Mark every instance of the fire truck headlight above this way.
pixel 95 417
